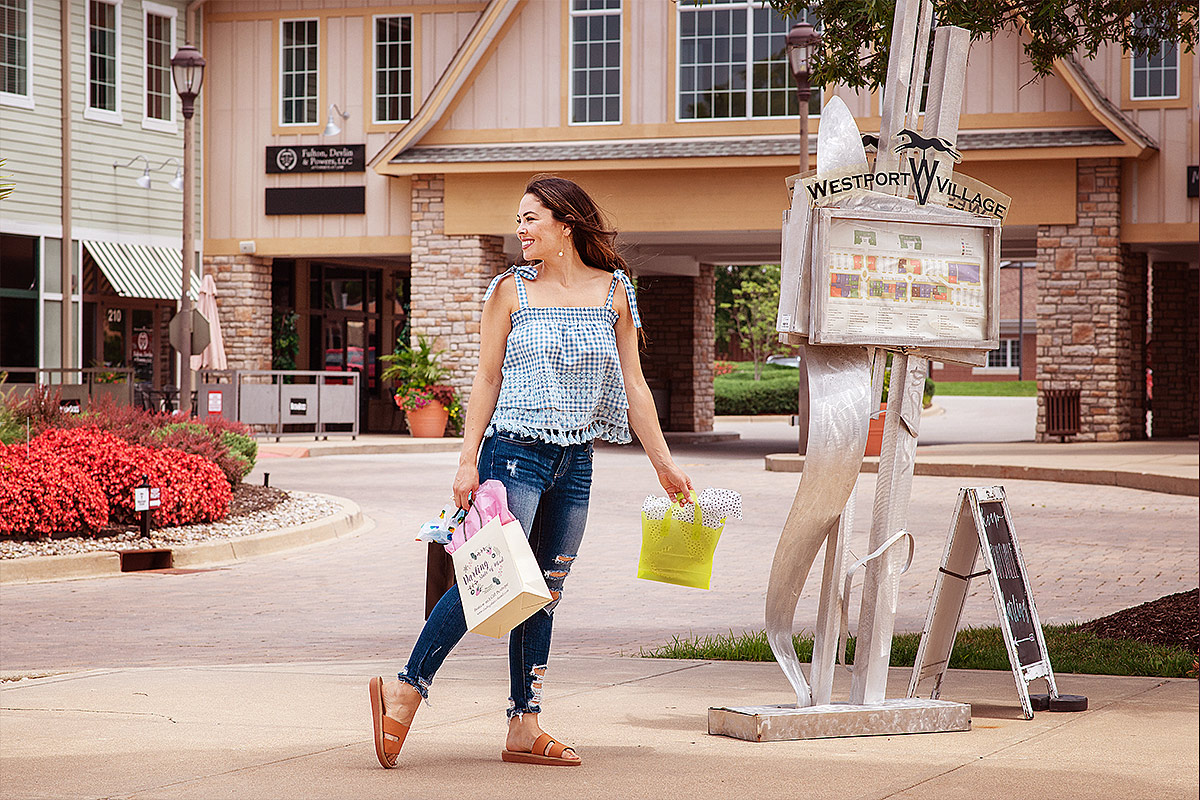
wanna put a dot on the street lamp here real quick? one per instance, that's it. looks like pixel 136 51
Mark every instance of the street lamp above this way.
pixel 187 71
pixel 802 43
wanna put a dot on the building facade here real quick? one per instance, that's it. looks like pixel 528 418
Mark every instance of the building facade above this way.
pixel 363 164
pixel 91 135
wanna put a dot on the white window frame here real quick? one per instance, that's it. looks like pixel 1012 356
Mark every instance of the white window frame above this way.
pixel 112 117
pixel 148 122
pixel 748 6
pixel 317 117
pixel 572 14
pixel 412 69
pixel 24 100
pixel 1134 69
pixel 1011 364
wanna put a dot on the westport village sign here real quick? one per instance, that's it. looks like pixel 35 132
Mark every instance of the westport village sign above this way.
pixel 321 158
pixel 922 179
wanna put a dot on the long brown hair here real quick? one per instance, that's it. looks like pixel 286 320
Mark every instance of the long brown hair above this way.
pixel 569 204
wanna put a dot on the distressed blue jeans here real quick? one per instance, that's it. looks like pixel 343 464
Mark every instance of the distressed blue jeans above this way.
pixel 547 482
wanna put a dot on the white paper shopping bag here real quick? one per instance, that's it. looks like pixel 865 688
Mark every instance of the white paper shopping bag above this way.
pixel 499 579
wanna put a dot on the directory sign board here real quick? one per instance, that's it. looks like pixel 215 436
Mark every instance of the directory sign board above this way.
pixel 888 279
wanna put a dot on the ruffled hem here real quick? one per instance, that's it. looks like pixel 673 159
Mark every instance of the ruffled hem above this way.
pixel 598 429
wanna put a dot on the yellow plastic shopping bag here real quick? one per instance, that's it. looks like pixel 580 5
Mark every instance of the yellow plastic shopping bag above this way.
pixel 678 542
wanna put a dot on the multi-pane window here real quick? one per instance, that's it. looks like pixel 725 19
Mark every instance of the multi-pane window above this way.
pixel 103 56
pixel 733 61
pixel 595 61
pixel 298 71
pixel 159 42
pixel 14 47
pixel 393 69
pixel 1156 73
pixel 1008 354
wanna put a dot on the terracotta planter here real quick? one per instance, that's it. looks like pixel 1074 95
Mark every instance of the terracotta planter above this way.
pixel 875 432
pixel 428 422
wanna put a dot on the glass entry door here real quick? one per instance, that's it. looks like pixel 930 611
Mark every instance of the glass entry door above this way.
pixel 345 331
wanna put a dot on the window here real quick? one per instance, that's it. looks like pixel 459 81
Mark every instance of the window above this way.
pixel 298 63
pixel 595 61
pixel 393 69
pixel 103 61
pixel 1008 354
pixel 733 61
pixel 14 53
pixel 1156 73
pixel 160 45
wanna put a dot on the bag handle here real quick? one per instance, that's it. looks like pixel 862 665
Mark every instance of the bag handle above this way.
pixel 696 517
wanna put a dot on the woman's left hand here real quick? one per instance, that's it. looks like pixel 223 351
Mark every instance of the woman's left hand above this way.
pixel 676 482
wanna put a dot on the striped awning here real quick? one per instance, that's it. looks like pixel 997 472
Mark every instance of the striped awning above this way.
pixel 137 270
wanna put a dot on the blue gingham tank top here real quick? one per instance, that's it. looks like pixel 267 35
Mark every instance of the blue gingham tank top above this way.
pixel 562 379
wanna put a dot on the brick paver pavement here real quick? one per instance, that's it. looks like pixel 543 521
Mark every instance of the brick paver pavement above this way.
pixel 1091 550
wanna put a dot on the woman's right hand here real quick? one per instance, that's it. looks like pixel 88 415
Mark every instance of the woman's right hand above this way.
pixel 466 481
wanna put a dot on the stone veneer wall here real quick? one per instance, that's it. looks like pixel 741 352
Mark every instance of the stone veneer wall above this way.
pixel 1173 350
pixel 449 276
pixel 677 316
pixel 244 303
pixel 1092 311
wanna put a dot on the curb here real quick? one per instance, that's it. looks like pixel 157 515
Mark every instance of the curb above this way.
pixel 347 521
pixel 444 444
pixel 1145 481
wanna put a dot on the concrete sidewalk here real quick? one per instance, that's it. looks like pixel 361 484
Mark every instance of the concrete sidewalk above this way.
pixel 303 731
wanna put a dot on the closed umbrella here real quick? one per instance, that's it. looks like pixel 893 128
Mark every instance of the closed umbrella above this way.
pixel 213 356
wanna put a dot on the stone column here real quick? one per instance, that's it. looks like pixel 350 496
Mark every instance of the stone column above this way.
pixel 1092 311
pixel 449 277
pixel 677 315
pixel 1173 350
pixel 244 304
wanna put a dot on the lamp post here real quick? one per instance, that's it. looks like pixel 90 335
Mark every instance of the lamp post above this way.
pixel 802 41
pixel 187 71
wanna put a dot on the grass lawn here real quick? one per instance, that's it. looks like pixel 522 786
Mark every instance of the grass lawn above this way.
pixel 988 388
pixel 1071 651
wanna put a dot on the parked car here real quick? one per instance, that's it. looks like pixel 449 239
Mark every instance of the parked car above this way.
pixel 784 361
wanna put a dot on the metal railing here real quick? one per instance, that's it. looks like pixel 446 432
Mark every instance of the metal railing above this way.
pixel 77 387
pixel 284 401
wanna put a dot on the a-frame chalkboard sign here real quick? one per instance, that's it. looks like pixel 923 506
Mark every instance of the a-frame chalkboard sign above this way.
pixel 982 524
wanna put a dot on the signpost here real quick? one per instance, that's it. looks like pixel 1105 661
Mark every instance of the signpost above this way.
pixel 146 498
pixel 982 524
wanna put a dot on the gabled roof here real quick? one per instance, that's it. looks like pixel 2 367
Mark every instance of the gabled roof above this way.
pixel 458 71
pixel 1102 108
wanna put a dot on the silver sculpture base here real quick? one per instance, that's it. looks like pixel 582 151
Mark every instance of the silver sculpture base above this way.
pixel 788 723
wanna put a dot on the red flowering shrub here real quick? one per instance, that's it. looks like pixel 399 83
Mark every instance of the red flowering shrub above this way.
pixel 41 493
pixel 193 489
pixel 723 367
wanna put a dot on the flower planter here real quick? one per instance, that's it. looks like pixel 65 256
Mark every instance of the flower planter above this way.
pixel 428 422
pixel 875 432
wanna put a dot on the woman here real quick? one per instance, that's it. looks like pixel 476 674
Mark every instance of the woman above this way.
pixel 558 368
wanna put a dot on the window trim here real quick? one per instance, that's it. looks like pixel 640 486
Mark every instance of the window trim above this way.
pixel 675 31
pixel 152 123
pixel 24 100
pixel 1133 57
pixel 1183 85
pixel 374 73
pixel 298 127
pixel 570 37
pixel 113 117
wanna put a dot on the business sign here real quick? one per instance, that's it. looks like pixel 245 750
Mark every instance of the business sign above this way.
pixel 317 158
pixel 885 279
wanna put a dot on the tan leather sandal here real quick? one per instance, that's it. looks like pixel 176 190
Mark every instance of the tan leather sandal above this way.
pixel 389 734
pixel 547 751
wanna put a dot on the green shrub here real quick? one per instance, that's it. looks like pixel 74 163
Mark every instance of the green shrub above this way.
pixel 774 395
pixel 241 447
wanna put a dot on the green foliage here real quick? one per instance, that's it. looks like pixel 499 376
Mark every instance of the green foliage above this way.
pixel 414 367
pixel 1052 30
pixel 753 308
pixel 241 448
pixel 285 340
pixel 776 392
pixel 989 388
pixel 1071 651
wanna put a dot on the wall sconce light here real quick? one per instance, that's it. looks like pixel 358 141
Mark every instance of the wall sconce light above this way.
pixel 144 181
pixel 331 127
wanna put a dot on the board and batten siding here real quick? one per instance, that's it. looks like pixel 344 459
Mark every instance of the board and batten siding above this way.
pixel 241 92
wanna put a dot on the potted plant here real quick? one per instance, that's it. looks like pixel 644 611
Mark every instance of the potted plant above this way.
pixel 428 404
pixel 875 429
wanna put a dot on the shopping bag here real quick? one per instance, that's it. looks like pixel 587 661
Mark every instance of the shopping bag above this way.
pixel 499 579
pixel 678 542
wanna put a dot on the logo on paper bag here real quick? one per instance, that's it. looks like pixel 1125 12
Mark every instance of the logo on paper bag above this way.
pixel 483 572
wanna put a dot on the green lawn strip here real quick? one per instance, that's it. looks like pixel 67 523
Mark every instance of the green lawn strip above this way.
pixel 1071 651
pixel 988 388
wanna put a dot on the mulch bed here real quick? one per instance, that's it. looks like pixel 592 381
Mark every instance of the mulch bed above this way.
pixel 248 498
pixel 1170 620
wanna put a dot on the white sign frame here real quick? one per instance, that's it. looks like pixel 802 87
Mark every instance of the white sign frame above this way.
pixel 823 330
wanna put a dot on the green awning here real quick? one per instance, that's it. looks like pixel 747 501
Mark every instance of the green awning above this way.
pixel 138 270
